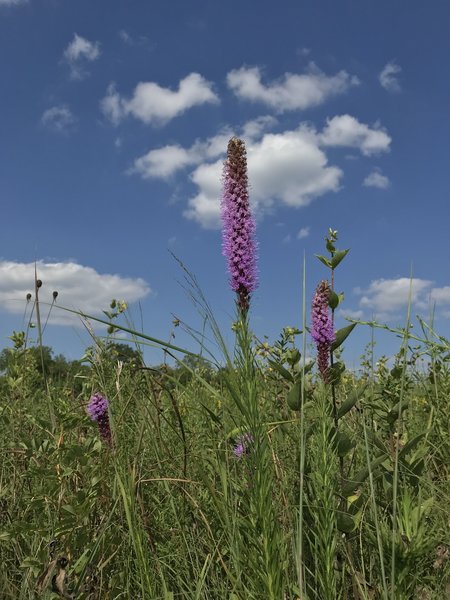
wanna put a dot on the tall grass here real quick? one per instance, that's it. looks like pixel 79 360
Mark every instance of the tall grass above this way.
pixel 172 512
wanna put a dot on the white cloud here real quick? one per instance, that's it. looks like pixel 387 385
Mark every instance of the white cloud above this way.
pixel 288 168
pixel 78 53
pixel 441 295
pixel 303 233
pixel 153 104
pixel 129 40
pixel 112 105
pixel 125 37
pixel 163 162
pixel 388 77
pixel 345 130
pixel 377 180
pixel 441 298
pixel 59 118
pixel 79 288
pixel 386 296
pixel 12 2
pixel 291 92
pixel 166 161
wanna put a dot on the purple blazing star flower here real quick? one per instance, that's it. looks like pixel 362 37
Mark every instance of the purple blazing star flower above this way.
pixel 243 443
pixel 322 331
pixel 238 233
pixel 97 409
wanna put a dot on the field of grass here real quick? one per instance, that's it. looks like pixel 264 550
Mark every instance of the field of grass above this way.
pixel 247 477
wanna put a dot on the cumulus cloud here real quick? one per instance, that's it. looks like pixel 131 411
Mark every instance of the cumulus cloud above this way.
pixel 286 167
pixel 156 105
pixel 303 233
pixel 59 118
pixel 441 295
pixel 166 161
pixel 78 53
pixel 387 296
pixel 79 287
pixel 292 91
pixel 388 77
pixel 289 167
pixel 377 180
pixel 345 130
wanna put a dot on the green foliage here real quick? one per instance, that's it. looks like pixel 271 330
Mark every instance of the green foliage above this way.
pixel 341 490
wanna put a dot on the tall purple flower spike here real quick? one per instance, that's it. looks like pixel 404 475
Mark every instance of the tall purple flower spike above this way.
pixel 97 409
pixel 322 330
pixel 238 233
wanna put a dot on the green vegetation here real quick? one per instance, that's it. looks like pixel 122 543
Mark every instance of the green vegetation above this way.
pixel 249 476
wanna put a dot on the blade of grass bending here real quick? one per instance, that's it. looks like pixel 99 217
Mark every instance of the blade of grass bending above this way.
pixel 157 341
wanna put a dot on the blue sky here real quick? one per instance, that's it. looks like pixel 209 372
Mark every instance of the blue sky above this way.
pixel 114 120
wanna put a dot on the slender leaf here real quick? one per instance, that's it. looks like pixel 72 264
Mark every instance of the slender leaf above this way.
pixel 342 335
pixel 338 257
pixel 323 260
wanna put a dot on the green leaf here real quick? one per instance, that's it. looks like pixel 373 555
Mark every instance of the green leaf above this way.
pixel 69 508
pixel 343 444
pixel 361 476
pixel 293 356
pixel 345 523
pixel 394 413
pixel 294 398
pixel 333 302
pixel 411 444
pixel 213 416
pixel 348 404
pixel 324 260
pixel 396 372
pixel 335 372
pixel 29 561
pixel 342 335
pixel 281 370
pixel 338 257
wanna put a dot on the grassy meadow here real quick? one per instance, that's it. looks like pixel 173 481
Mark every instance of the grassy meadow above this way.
pixel 244 476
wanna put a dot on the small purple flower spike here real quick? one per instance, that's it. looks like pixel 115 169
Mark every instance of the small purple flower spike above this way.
pixel 238 233
pixel 322 330
pixel 243 442
pixel 97 409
